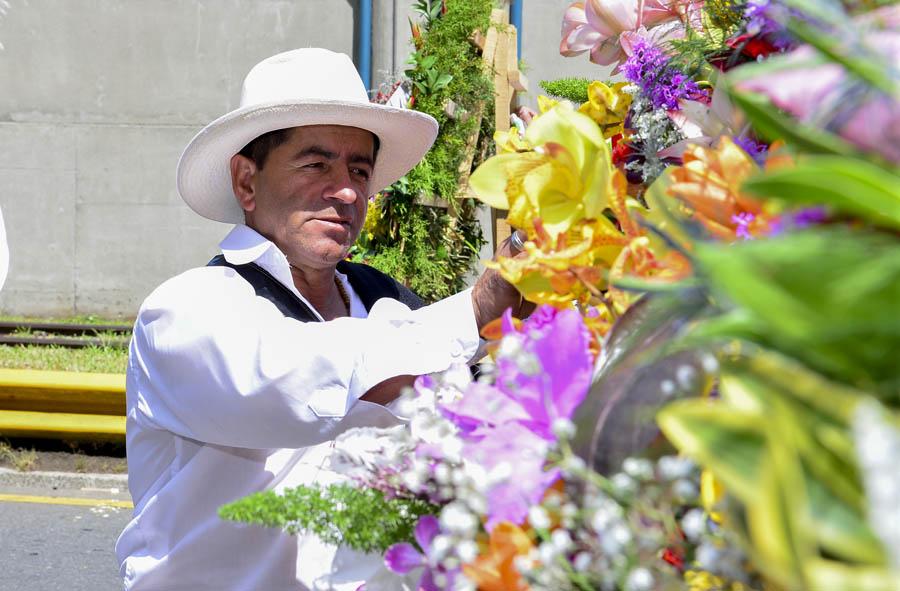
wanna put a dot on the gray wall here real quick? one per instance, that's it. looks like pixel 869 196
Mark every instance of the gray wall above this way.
pixel 99 97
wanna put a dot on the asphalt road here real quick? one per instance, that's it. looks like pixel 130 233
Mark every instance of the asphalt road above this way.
pixel 46 545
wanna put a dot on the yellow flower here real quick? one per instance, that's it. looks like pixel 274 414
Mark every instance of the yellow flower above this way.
pixel 558 271
pixel 565 180
pixel 511 142
pixel 608 106
pixel 711 494
pixel 545 103
pixel 709 182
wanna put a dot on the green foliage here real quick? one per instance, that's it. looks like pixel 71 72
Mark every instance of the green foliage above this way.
pixel 361 518
pixel 573 89
pixel 848 185
pixel 432 250
pixel 724 15
pixel 849 331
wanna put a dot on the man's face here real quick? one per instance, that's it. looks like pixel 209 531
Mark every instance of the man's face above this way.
pixel 310 196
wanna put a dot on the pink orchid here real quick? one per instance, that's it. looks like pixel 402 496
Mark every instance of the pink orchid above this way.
pixel 808 89
pixel 604 27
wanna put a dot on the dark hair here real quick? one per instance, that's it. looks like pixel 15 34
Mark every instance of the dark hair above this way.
pixel 258 149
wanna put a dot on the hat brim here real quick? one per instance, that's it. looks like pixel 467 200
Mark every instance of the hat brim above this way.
pixel 203 176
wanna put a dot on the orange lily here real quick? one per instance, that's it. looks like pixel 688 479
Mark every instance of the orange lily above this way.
pixel 494 569
pixel 708 184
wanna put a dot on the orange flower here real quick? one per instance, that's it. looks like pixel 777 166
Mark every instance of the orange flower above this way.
pixel 709 183
pixel 494 569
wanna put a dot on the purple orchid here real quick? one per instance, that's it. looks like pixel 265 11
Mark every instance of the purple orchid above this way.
pixel 543 373
pixel 514 456
pixel 404 557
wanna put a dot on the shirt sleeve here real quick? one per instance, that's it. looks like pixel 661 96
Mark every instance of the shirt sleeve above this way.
pixel 211 361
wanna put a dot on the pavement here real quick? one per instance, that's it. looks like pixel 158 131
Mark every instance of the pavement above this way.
pixel 58 530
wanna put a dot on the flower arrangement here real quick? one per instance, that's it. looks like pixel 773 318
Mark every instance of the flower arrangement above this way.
pixel 707 395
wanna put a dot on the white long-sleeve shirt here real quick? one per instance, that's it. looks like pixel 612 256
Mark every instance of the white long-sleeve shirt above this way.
pixel 226 397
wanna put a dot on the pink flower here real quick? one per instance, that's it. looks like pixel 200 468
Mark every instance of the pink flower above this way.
pixel 605 27
pixel 814 91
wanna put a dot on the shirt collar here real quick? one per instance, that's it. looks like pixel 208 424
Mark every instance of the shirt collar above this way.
pixel 245 245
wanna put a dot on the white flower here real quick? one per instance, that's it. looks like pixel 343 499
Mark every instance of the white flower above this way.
pixel 562 540
pixel 510 345
pixel 467 550
pixel 623 483
pixel 440 547
pixel 639 469
pixel 563 428
pixel 538 517
pixel 877 450
pixel 582 561
pixel 674 467
pixel 685 375
pixel 640 579
pixel 457 519
pixel 667 387
pixel 693 524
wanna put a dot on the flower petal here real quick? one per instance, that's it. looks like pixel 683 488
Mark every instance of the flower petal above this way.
pixel 402 558
pixel 426 529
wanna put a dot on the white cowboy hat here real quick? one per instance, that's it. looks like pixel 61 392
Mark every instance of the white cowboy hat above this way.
pixel 300 87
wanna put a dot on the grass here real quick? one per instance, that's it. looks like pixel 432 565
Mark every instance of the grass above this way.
pixel 88 359
pixel 84 319
pixel 101 359
pixel 20 459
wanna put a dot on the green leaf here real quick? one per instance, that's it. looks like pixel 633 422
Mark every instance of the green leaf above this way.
pixel 829 297
pixel 730 443
pixel 771 124
pixel 849 185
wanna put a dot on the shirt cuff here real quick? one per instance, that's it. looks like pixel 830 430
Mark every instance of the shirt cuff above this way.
pixel 416 342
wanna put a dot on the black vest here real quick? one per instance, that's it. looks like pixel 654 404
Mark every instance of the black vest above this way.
pixel 369 284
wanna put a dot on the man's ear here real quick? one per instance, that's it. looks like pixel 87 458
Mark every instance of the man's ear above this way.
pixel 243 181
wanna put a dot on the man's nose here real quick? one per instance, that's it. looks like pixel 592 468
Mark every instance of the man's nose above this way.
pixel 341 187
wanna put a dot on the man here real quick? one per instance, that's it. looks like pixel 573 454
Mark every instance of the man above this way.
pixel 240 371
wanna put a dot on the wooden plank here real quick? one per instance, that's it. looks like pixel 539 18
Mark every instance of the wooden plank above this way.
pixel 76 427
pixel 490 47
pixel 501 83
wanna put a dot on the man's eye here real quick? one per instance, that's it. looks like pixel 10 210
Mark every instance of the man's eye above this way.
pixel 313 165
pixel 361 172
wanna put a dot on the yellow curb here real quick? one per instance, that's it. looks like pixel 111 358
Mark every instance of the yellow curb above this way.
pixel 66 501
pixel 15 423
pixel 62 391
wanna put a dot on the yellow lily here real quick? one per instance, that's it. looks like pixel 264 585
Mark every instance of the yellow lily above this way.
pixel 545 103
pixel 565 180
pixel 558 271
pixel 608 106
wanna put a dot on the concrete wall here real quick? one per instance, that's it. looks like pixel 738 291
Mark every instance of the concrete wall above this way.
pixel 99 97
pixel 97 100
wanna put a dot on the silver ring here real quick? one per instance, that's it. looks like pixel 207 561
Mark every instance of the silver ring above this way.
pixel 515 240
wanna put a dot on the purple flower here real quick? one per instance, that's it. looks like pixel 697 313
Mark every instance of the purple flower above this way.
pixel 514 455
pixel 543 376
pixel 810 216
pixel 404 557
pixel 743 221
pixel 767 18
pixel 648 67
pixel 756 150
